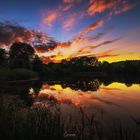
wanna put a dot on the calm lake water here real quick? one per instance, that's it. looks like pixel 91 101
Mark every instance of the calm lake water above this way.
pixel 110 102
pixel 116 101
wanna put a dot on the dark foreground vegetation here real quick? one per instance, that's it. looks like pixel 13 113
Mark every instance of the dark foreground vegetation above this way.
pixel 42 122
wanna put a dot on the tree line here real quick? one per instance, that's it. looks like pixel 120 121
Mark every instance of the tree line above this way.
pixel 22 55
pixel 92 65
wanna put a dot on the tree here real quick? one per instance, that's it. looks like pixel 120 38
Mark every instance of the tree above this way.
pixel 2 57
pixel 21 55
pixel 37 64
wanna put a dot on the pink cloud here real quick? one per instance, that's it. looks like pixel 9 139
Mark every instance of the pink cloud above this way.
pixel 70 20
pixel 50 17
pixel 125 7
pixel 68 1
pixel 71 1
pixel 90 28
pixel 68 7
pixel 68 24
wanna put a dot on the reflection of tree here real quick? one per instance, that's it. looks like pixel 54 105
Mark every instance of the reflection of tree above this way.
pixel 22 90
pixel 82 85
pixel 128 84
pixel 121 78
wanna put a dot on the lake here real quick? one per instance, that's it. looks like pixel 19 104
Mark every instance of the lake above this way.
pixel 111 103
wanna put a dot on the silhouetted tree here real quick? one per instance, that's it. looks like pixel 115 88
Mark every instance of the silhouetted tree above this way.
pixel 2 57
pixel 37 64
pixel 21 55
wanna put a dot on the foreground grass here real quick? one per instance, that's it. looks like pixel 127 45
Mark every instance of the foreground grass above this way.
pixel 41 122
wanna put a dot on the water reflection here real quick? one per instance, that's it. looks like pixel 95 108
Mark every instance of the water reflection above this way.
pixel 82 85
pixel 114 98
pixel 107 102
pixel 21 90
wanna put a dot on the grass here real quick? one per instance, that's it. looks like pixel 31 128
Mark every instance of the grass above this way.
pixel 42 122
pixel 16 74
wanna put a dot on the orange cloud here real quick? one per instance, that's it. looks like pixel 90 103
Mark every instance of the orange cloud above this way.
pixel 108 53
pixel 99 6
pixel 60 13
pixel 50 17
pixel 117 6
pixel 91 28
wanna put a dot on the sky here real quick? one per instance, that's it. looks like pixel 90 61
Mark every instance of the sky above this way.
pixel 107 29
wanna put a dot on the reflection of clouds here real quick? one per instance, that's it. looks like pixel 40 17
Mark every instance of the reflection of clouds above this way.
pixel 68 95
pixel 121 91
pixel 58 94
pixel 112 98
pixel 105 101
pixel 115 100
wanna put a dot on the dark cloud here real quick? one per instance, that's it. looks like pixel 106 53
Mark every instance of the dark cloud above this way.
pixel 13 32
pixel 10 32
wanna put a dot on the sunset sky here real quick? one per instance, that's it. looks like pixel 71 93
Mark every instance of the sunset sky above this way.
pixel 107 29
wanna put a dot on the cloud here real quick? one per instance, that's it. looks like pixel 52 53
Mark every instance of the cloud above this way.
pixel 108 53
pixel 104 54
pixel 70 22
pixel 116 6
pixel 50 16
pixel 11 32
pixel 71 1
pixel 61 14
pixel 124 8
pixel 108 42
pixel 90 28
pixel 68 1
pixel 92 38
pixel 74 49
pixel 67 7
pixel 99 6
pixel 87 50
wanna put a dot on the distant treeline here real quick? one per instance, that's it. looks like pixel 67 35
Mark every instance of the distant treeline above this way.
pixel 91 66
pixel 22 56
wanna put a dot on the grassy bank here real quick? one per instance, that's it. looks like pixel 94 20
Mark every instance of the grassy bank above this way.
pixel 16 74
